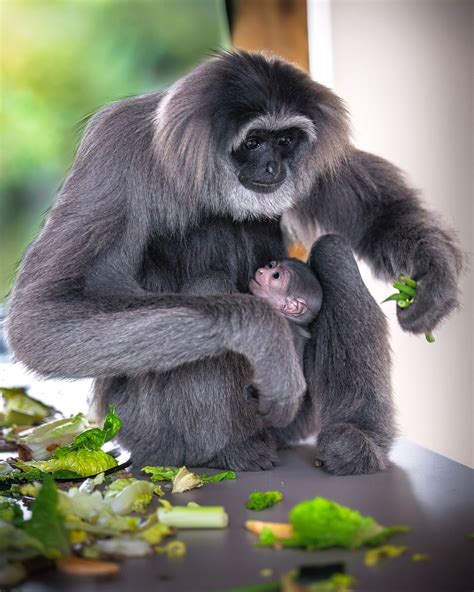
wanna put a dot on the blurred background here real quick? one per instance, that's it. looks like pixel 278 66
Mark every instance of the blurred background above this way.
pixel 404 69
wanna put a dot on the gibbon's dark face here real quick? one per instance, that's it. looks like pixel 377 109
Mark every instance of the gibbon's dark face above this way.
pixel 248 135
pixel 263 158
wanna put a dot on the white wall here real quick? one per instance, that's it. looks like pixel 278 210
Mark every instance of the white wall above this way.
pixel 405 71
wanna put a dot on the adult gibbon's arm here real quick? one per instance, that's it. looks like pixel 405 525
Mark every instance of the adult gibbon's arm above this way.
pixel 368 201
pixel 77 309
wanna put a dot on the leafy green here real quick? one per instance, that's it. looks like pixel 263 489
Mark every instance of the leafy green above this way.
pixel 338 582
pixel 46 523
pixel 417 557
pixel 42 440
pixel 94 438
pixel 17 544
pixel 21 409
pixel 10 511
pixel 184 480
pixel 78 503
pixel 169 473
pixel 217 477
pixel 321 524
pixel 82 463
pixel 259 500
pixel 373 556
pixel 267 538
pixel 127 495
pixel 160 473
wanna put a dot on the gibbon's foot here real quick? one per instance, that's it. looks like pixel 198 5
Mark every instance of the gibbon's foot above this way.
pixel 343 449
pixel 258 453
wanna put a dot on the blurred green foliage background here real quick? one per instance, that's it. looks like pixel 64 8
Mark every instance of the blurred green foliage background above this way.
pixel 61 61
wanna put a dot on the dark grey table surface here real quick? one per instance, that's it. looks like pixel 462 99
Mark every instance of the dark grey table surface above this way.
pixel 422 489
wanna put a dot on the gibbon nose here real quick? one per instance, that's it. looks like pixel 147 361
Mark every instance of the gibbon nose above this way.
pixel 272 168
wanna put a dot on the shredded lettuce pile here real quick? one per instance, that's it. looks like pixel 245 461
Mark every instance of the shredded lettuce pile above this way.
pixel 80 457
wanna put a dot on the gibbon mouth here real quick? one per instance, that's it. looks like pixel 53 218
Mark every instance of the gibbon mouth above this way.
pixel 260 187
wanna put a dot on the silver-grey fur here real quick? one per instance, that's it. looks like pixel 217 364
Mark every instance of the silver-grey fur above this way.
pixel 137 277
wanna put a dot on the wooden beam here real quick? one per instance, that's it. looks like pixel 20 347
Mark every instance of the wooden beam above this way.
pixel 278 26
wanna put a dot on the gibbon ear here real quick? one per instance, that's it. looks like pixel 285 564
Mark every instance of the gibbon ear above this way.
pixel 294 307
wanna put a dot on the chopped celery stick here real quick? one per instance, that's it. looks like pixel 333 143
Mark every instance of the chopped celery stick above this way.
pixel 190 517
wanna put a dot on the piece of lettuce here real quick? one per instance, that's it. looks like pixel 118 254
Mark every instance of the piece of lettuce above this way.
pixel 129 495
pixel 169 473
pixel 94 438
pixel 321 524
pixel 16 544
pixel 184 480
pixel 77 463
pixel 21 409
pixel 81 504
pixel 41 442
pixel 372 557
pixel 160 473
pixel 226 475
pixel 259 500
pixel 10 511
pixel 46 523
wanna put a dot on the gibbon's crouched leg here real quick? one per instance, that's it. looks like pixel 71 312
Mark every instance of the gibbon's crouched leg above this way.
pixel 347 366
pixel 194 415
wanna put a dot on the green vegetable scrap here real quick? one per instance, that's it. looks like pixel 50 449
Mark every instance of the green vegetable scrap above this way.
pixel 173 549
pixel 338 582
pixel 405 297
pixel 39 442
pixel 373 556
pixel 160 473
pixel 46 524
pixel 82 457
pixel 94 438
pixel 129 495
pixel 156 533
pixel 21 409
pixel 420 557
pixel 193 517
pixel 183 479
pixel 259 500
pixel 10 511
pixel 217 477
pixel 321 524
pixel 76 463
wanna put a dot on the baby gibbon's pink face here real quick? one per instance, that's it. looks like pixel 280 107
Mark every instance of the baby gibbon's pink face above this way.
pixel 272 283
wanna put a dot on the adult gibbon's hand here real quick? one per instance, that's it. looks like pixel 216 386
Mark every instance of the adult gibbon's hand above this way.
pixel 436 293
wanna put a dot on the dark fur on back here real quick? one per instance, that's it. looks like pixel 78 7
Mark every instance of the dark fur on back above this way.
pixel 136 277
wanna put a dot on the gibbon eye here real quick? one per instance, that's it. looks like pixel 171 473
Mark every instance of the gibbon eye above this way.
pixel 276 275
pixel 271 264
pixel 252 143
pixel 285 140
